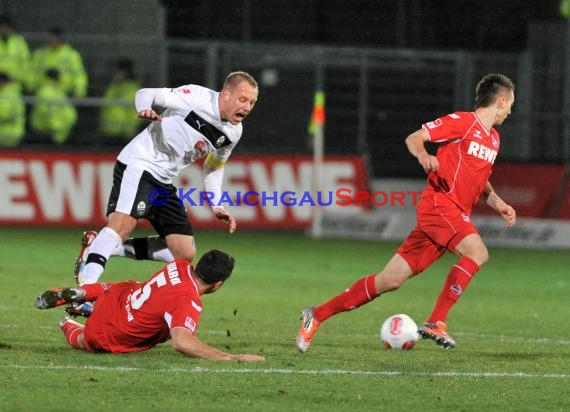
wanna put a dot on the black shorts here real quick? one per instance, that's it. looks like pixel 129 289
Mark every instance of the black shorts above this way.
pixel 137 193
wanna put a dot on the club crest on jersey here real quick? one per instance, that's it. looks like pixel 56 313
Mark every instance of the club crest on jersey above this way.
pixel 220 141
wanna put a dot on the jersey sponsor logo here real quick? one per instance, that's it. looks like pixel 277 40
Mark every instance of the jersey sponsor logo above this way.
pixel 214 135
pixel 186 91
pixel 482 152
pixel 434 124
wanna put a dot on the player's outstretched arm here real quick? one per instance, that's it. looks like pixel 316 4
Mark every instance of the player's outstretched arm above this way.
pixel 213 175
pixel 495 202
pixel 223 214
pixel 183 341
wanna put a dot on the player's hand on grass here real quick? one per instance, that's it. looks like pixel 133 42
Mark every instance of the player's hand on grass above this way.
pixel 223 214
pixel 248 358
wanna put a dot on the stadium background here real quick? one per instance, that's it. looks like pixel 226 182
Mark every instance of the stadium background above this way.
pixel 385 66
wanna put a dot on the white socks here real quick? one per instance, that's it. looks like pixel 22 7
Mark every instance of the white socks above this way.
pixel 154 249
pixel 104 244
pixel 163 255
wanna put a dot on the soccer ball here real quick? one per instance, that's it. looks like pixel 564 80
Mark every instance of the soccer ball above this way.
pixel 399 332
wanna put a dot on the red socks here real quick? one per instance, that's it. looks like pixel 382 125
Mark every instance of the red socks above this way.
pixel 457 280
pixel 94 290
pixel 72 330
pixel 361 292
pixel 364 290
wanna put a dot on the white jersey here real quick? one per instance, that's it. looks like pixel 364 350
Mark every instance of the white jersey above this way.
pixel 190 129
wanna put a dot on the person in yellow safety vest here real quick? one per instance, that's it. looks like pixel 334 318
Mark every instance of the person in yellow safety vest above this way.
pixel 59 55
pixel 53 113
pixel 118 116
pixel 12 112
pixel 14 51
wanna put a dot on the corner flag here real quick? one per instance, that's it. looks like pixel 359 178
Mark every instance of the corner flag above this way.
pixel 318 115
pixel 316 130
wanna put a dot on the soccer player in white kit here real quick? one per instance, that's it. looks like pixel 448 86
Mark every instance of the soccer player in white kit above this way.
pixel 196 123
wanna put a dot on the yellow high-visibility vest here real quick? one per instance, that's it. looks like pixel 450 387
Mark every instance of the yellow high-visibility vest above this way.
pixel 118 119
pixel 53 113
pixel 12 115
pixel 67 61
pixel 15 57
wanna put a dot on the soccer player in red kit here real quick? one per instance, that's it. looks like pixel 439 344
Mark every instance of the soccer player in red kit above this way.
pixel 132 316
pixel 458 176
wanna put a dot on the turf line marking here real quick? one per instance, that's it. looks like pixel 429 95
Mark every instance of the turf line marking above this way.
pixel 272 371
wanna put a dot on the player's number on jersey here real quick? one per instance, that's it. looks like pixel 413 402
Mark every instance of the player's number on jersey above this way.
pixel 139 296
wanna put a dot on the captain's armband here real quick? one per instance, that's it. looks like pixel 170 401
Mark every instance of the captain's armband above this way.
pixel 214 163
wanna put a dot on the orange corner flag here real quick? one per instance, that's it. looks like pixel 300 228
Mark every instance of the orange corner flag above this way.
pixel 318 115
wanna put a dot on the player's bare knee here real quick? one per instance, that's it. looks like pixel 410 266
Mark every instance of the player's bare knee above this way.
pixel 483 258
pixel 480 256
pixel 386 282
pixel 122 224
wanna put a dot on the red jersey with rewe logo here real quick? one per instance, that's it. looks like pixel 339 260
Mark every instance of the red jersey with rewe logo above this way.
pixel 133 316
pixel 466 155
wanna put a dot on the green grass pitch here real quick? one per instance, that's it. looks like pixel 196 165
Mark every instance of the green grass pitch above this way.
pixel 511 326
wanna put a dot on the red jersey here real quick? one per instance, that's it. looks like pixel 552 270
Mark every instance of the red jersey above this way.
pixel 132 316
pixel 466 155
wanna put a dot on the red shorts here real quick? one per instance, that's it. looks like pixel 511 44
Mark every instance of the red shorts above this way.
pixel 441 226
pixel 103 331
